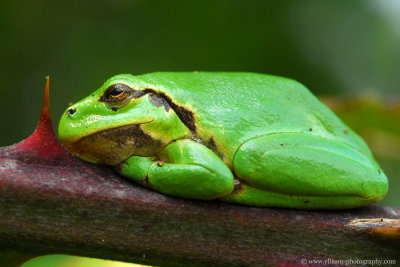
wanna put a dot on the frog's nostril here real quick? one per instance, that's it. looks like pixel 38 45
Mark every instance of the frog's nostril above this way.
pixel 71 111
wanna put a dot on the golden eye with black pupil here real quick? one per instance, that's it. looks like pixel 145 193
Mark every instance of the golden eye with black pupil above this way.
pixel 117 96
pixel 116 91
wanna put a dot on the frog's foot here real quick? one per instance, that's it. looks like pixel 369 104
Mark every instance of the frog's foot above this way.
pixel 299 170
pixel 184 168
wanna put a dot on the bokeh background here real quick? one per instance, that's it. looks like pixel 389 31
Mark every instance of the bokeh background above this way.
pixel 346 52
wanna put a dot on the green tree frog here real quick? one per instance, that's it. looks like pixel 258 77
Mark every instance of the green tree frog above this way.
pixel 246 138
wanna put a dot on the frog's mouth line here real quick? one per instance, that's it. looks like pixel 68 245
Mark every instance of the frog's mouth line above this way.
pixel 113 146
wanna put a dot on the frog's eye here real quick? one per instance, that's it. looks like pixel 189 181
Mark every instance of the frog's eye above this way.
pixel 117 96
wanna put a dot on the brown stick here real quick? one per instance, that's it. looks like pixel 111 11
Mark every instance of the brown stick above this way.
pixel 63 205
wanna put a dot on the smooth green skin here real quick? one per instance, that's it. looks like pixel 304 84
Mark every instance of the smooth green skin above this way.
pixel 285 148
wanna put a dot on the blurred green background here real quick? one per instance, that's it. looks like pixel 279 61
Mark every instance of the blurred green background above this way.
pixel 71 261
pixel 348 52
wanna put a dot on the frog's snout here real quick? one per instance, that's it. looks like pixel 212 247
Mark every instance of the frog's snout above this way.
pixel 67 127
pixel 71 111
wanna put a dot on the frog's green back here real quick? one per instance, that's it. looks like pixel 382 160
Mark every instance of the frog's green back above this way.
pixel 231 108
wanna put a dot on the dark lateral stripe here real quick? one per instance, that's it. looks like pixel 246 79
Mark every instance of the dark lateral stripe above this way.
pixel 185 115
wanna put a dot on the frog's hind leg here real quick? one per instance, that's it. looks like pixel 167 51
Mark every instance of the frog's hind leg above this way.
pixel 300 170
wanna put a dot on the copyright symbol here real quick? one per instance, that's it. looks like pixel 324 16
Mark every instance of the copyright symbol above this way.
pixel 303 261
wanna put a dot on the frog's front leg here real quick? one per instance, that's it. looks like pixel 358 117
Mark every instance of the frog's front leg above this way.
pixel 184 168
